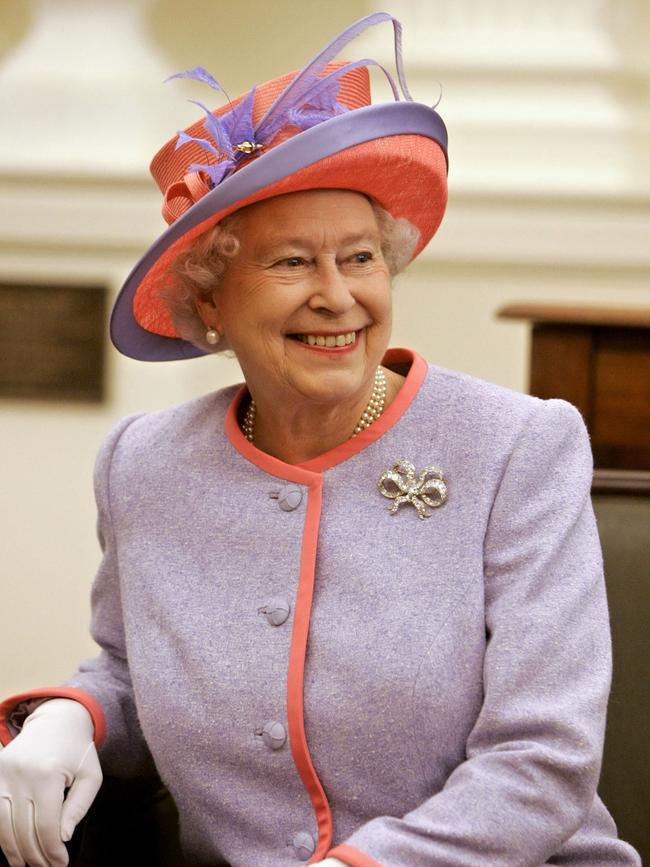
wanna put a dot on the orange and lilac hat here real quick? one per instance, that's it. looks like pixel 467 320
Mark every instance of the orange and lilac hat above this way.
pixel 314 129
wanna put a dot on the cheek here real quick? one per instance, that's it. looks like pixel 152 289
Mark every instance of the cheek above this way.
pixel 238 307
pixel 381 303
pixel 254 328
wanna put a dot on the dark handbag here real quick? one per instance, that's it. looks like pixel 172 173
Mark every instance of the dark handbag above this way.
pixel 131 824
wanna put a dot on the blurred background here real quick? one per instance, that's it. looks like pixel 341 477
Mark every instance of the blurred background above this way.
pixel 548 110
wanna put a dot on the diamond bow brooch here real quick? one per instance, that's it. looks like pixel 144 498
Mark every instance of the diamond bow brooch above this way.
pixel 402 485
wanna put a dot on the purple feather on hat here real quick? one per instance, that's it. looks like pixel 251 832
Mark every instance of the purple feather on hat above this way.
pixel 198 74
pixel 235 127
pixel 238 123
pixel 309 99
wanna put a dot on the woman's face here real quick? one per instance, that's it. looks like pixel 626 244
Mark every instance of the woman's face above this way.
pixel 309 272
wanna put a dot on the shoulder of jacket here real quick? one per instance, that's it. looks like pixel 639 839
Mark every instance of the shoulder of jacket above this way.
pixel 140 436
pixel 467 401
pixel 479 392
pixel 478 410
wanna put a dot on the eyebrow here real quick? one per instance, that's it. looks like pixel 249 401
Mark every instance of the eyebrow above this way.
pixel 304 243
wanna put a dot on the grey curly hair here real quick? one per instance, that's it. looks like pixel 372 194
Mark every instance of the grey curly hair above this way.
pixel 196 272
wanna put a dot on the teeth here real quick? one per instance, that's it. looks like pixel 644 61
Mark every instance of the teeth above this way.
pixel 328 340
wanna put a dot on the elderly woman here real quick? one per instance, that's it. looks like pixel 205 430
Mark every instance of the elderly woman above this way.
pixel 353 610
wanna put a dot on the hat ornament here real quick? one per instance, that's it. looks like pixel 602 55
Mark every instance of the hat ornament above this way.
pixel 308 100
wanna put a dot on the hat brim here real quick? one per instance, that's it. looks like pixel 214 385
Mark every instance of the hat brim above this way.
pixel 396 153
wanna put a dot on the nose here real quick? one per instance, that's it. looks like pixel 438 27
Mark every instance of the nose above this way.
pixel 331 291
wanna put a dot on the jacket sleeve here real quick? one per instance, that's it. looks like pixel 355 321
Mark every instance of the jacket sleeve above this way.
pixel 102 684
pixel 533 756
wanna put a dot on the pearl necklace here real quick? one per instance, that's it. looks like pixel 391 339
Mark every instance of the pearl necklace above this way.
pixel 371 413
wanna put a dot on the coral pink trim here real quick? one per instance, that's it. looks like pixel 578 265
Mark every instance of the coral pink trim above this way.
pixel 295 676
pixel 272 466
pixel 389 417
pixel 309 474
pixel 353 857
pixel 9 705
pixel 304 474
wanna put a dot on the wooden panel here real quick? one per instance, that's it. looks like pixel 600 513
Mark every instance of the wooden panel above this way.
pixel 597 358
pixel 622 393
pixel 52 342
pixel 561 365
pixel 630 317
pixel 620 421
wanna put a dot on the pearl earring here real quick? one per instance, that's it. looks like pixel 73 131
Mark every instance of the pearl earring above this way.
pixel 212 336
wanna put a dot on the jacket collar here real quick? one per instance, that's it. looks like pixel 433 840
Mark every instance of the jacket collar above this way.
pixel 305 473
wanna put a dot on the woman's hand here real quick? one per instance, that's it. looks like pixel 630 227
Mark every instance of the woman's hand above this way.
pixel 53 752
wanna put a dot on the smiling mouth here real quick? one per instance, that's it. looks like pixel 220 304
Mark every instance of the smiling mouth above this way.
pixel 328 341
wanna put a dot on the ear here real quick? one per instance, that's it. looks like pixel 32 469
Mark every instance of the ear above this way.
pixel 209 312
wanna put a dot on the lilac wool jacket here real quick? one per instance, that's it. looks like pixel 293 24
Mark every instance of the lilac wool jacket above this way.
pixel 314 675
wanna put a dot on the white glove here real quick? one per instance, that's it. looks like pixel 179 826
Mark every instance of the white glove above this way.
pixel 330 862
pixel 54 751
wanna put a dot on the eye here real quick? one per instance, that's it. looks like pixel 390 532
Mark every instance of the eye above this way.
pixel 291 262
pixel 362 257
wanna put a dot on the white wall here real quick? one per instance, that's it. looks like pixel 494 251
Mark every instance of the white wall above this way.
pixel 550 201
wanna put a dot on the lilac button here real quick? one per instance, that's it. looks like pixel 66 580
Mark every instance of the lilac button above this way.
pixel 276 610
pixel 304 845
pixel 289 497
pixel 274 735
